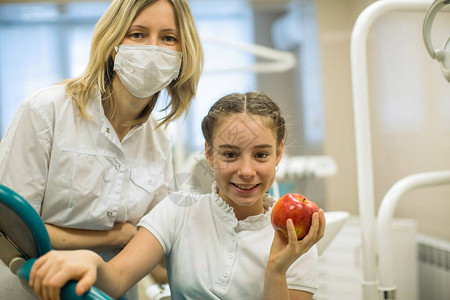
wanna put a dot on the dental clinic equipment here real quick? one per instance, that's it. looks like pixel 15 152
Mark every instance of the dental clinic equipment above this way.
pixel 415 181
pixel 307 166
pixel 360 89
pixel 386 263
pixel 441 55
pixel 276 61
pixel 24 238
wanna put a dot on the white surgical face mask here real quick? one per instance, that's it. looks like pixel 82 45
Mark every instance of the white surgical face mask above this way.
pixel 145 69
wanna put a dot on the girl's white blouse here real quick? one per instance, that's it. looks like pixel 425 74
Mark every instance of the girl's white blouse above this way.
pixel 212 255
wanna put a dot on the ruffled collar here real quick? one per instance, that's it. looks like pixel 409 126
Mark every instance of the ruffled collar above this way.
pixel 226 213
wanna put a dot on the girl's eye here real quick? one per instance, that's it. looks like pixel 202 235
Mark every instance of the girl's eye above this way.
pixel 229 155
pixel 261 155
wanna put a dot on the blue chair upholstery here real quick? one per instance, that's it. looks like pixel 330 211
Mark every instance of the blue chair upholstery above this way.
pixel 23 231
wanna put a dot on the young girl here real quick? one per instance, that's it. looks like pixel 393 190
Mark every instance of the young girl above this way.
pixel 223 245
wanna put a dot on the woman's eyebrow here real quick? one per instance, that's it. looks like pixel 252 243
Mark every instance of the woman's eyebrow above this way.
pixel 135 27
pixel 142 27
pixel 170 30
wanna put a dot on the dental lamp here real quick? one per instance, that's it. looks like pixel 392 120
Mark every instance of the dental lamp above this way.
pixel 441 55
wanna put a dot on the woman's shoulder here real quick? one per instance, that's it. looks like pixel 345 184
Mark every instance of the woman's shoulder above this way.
pixel 52 96
pixel 46 101
pixel 51 92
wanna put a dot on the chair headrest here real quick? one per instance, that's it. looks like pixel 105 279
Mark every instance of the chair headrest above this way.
pixel 21 223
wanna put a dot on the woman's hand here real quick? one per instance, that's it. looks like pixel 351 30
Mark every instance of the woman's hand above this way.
pixel 52 270
pixel 284 253
pixel 123 233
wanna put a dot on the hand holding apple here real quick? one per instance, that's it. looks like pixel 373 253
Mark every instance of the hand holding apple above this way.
pixel 286 248
pixel 297 208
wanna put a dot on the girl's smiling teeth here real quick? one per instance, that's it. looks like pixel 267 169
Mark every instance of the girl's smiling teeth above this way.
pixel 245 186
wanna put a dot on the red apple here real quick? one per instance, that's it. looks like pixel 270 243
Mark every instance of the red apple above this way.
pixel 296 207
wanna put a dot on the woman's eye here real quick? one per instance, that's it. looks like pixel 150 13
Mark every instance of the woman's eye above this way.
pixel 137 35
pixel 170 39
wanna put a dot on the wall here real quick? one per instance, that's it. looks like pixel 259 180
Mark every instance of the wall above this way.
pixel 409 104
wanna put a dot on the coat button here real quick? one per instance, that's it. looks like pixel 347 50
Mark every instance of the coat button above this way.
pixel 109 213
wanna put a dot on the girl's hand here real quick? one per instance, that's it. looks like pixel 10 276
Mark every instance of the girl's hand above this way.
pixel 52 270
pixel 284 253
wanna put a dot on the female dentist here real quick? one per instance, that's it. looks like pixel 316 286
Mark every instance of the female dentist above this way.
pixel 88 154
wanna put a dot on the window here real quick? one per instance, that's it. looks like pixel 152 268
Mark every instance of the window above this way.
pixel 42 45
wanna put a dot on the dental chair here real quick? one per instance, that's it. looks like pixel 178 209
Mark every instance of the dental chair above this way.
pixel 24 238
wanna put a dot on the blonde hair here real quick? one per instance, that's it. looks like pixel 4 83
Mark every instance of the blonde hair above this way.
pixel 109 32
